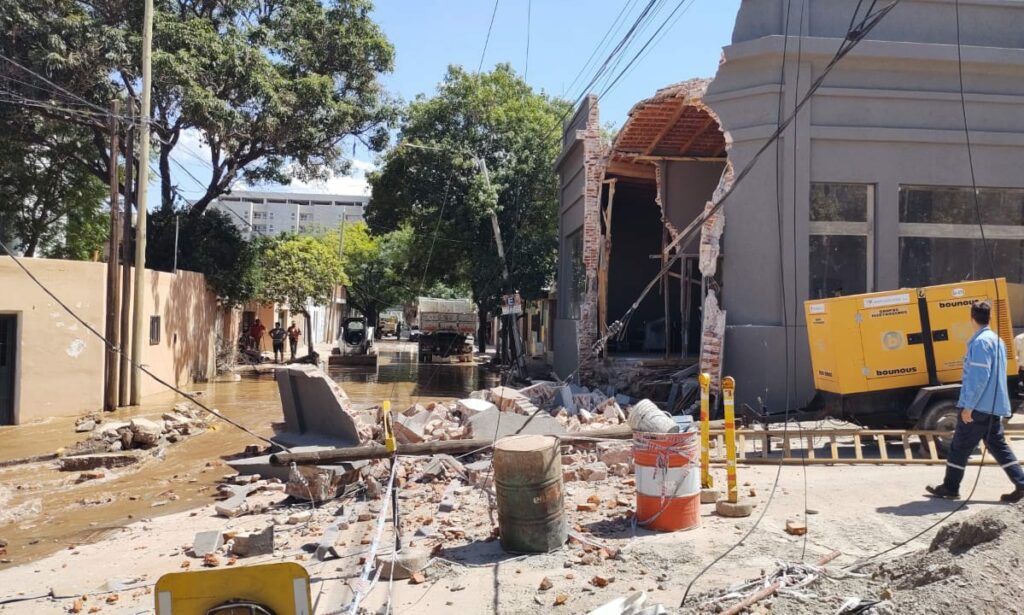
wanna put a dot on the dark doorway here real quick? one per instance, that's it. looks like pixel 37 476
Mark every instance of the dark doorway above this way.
pixel 8 360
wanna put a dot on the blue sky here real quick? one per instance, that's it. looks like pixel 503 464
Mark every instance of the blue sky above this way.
pixel 428 35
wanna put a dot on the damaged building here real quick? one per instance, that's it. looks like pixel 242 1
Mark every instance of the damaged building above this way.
pixel 869 189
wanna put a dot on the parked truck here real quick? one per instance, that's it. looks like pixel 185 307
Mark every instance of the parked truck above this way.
pixel 894 359
pixel 446 327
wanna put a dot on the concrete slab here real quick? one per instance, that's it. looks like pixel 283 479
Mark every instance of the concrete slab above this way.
pixel 82 463
pixel 207 542
pixel 257 543
pixel 487 424
pixel 313 403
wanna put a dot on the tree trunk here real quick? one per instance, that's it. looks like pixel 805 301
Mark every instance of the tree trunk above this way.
pixel 311 354
pixel 481 337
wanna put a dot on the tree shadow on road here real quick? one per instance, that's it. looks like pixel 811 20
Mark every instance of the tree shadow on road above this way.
pixel 927 506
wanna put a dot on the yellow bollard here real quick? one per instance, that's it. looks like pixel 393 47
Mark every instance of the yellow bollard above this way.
pixel 706 481
pixel 732 505
pixel 390 445
pixel 728 389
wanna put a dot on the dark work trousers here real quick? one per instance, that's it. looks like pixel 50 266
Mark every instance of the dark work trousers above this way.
pixel 293 342
pixel 279 349
pixel 985 427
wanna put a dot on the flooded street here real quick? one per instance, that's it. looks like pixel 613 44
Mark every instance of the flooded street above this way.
pixel 43 510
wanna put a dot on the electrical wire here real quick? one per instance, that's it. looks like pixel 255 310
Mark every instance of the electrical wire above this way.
pixel 529 17
pixel 488 39
pixel 612 27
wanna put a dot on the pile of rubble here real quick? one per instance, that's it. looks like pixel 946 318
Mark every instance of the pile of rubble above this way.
pixel 112 436
pixel 543 407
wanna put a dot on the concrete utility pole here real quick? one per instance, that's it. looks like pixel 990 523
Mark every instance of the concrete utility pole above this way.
pixel 126 258
pixel 140 220
pixel 113 277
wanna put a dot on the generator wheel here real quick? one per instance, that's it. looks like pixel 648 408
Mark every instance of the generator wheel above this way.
pixel 941 415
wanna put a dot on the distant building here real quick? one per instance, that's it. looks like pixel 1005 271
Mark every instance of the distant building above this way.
pixel 272 213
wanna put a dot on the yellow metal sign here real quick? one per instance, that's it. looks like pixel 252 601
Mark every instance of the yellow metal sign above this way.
pixel 280 589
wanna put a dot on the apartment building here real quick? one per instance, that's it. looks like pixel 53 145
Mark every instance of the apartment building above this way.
pixel 272 213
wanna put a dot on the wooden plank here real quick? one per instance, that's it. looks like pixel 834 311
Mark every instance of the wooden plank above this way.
pixel 907 452
pixel 810 447
pixel 786 452
pixel 626 169
pixel 931 446
pixel 883 452
pixel 835 447
pixel 858 453
pixel 764 445
pixel 700 132
pixel 742 447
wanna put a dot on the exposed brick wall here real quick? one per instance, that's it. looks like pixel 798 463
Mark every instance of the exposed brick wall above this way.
pixel 712 335
pixel 594 165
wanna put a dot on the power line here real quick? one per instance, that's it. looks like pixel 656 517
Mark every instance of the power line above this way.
pixel 614 26
pixel 488 39
pixel 529 11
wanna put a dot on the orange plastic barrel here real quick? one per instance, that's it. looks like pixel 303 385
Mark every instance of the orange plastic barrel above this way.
pixel 667 480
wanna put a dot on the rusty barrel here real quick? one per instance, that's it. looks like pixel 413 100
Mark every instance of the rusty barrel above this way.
pixel 528 483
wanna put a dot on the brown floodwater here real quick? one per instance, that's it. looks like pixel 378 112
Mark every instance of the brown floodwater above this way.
pixel 43 510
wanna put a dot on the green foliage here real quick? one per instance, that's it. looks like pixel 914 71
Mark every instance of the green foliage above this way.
pixel 212 245
pixel 298 268
pixel 273 88
pixel 49 201
pixel 376 267
pixel 516 132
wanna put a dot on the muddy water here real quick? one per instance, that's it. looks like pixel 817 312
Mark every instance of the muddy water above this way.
pixel 43 510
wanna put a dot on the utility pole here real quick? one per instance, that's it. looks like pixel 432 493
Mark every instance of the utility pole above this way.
pixel 140 223
pixel 113 279
pixel 509 321
pixel 176 220
pixel 126 257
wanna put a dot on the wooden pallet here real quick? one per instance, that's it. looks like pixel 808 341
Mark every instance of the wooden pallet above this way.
pixel 869 447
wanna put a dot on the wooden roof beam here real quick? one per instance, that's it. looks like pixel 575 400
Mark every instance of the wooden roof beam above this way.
pixel 678 113
pixel 700 132
pixel 626 169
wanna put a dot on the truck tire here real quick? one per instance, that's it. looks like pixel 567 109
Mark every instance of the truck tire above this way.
pixel 940 415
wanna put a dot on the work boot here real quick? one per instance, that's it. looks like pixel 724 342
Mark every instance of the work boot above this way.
pixel 941 491
pixel 1013 497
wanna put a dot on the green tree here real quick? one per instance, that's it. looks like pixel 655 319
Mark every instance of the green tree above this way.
pixel 498 119
pixel 298 269
pixel 376 268
pixel 212 245
pixel 49 202
pixel 272 88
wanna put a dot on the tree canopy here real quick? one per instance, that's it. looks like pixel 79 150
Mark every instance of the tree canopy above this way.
pixel 433 180
pixel 298 268
pixel 377 267
pixel 272 88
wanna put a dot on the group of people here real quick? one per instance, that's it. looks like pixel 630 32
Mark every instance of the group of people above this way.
pixel 277 338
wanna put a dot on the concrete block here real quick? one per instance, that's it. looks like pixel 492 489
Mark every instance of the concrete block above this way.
pixel 83 463
pixel 326 545
pixel 146 433
pixel 611 453
pixel 710 495
pixel 257 543
pixel 449 501
pixel 479 474
pixel 416 428
pixel 594 472
pixel 565 399
pixel 471 407
pixel 402 565
pixel 506 398
pixel 742 508
pixel 313 403
pixel 207 542
pixel 491 423
pixel 318 483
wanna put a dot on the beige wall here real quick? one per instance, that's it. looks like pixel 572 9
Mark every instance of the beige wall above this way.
pixel 60 364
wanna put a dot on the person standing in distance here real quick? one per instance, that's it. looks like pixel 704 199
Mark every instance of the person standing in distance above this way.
pixel 277 335
pixel 294 333
pixel 984 402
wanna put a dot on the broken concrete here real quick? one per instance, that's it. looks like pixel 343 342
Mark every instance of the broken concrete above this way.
pixel 235 504
pixel 207 542
pixel 471 407
pixel 146 433
pixel 256 543
pixel 402 565
pixel 319 483
pixel 495 424
pixel 315 404
pixel 82 463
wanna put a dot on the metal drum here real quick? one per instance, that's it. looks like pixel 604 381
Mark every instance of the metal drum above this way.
pixel 528 482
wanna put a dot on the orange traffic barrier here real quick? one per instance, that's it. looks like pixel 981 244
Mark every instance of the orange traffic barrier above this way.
pixel 667 480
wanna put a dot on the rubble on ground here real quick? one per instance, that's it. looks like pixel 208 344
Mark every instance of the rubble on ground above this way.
pixel 113 436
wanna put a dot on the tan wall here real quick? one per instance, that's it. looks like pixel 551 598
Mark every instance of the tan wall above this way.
pixel 60 365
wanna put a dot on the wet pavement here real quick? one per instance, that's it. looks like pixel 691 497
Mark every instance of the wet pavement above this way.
pixel 43 510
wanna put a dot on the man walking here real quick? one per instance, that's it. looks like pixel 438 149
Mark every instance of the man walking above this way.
pixel 983 403
pixel 277 335
pixel 294 333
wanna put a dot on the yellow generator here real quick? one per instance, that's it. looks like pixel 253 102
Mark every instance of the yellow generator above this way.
pixel 894 358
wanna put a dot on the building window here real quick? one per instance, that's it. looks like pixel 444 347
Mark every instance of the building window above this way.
pixel 154 330
pixel 840 239
pixel 940 238
pixel 259 228
pixel 574 275
pixel 259 215
pixel 305 217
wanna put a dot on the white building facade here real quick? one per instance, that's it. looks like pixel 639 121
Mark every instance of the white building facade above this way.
pixel 272 213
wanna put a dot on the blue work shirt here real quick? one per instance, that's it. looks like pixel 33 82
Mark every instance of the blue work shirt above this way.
pixel 984 379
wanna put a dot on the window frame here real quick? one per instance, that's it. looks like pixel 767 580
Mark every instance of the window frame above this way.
pixel 154 326
pixel 864 229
